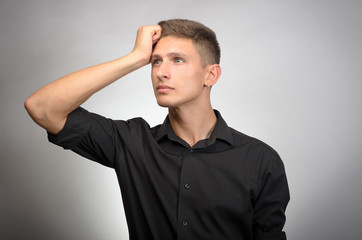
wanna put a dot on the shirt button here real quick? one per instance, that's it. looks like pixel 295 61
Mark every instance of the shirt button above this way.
pixel 191 151
pixel 187 186
pixel 185 223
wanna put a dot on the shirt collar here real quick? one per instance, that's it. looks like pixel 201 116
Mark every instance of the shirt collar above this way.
pixel 221 131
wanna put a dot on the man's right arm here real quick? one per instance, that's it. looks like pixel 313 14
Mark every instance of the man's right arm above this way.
pixel 50 105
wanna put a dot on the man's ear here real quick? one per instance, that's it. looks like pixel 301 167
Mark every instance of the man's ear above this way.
pixel 214 72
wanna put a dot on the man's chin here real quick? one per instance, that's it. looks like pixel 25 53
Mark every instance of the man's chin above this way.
pixel 166 104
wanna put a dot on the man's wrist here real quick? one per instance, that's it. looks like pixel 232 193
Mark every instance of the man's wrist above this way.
pixel 139 59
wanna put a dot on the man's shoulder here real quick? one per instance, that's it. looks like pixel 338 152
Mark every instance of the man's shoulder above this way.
pixel 139 125
pixel 244 140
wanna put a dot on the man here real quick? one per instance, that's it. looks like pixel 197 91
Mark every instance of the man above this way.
pixel 191 177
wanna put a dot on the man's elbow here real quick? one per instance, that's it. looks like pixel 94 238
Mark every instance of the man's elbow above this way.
pixel 50 122
pixel 32 109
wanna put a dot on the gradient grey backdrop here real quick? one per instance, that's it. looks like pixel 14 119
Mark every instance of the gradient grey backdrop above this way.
pixel 291 77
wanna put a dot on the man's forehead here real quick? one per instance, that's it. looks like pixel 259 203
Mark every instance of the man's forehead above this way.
pixel 171 46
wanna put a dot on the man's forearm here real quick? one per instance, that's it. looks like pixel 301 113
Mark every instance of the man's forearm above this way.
pixel 50 105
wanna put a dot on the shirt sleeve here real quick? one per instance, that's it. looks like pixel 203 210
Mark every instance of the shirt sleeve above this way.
pixel 95 137
pixel 272 200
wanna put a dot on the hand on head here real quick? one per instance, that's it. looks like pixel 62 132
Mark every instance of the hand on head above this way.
pixel 147 36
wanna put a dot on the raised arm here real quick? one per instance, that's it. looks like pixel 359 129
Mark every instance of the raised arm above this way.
pixel 50 105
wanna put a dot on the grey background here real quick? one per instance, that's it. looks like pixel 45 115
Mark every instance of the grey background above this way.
pixel 291 77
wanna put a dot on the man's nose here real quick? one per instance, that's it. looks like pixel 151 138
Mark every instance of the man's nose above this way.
pixel 163 71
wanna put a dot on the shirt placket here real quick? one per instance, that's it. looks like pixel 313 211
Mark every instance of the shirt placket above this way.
pixel 184 214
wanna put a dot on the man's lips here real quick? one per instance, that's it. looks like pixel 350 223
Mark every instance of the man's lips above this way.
pixel 164 88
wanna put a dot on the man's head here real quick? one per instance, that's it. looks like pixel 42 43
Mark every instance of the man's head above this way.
pixel 202 37
pixel 185 64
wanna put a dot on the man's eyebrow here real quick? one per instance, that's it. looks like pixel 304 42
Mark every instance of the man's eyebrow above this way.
pixel 153 56
pixel 169 55
pixel 176 54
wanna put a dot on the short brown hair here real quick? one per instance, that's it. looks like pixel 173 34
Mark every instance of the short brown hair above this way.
pixel 203 37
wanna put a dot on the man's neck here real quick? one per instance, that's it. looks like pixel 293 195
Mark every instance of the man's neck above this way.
pixel 192 124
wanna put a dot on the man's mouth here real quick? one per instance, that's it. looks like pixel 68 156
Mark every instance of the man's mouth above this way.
pixel 164 88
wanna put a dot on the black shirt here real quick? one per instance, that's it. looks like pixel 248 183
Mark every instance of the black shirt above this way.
pixel 230 186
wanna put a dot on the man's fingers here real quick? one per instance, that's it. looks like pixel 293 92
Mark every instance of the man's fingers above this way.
pixel 156 37
pixel 147 37
pixel 157 34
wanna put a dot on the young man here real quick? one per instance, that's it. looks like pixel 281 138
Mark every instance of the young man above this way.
pixel 191 177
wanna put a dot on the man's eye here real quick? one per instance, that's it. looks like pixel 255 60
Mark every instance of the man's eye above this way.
pixel 179 60
pixel 156 61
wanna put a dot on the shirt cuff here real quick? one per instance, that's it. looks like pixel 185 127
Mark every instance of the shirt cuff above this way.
pixel 75 128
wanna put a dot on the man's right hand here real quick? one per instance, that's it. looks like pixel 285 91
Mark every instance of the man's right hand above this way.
pixel 147 36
